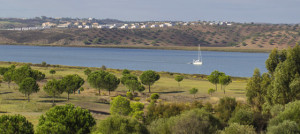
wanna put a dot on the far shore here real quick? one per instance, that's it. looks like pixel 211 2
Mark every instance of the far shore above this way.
pixel 190 76
pixel 188 48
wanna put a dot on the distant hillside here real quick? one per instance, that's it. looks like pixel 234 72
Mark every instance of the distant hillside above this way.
pixel 251 36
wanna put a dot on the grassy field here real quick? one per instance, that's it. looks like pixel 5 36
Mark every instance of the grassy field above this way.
pixel 13 102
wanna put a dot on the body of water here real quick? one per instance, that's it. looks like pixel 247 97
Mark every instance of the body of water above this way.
pixel 232 63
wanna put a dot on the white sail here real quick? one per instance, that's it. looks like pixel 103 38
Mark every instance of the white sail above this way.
pixel 199 60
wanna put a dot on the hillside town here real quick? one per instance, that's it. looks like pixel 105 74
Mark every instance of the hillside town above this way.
pixel 95 23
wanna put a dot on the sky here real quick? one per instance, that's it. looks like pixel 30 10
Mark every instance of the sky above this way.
pixel 261 11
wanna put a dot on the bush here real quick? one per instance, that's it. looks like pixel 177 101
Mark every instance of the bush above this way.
pixel 136 98
pixel 51 128
pixel 120 106
pixel 121 125
pixel 276 109
pixel 225 107
pixel 161 110
pixel 15 124
pixel 236 128
pixel 154 96
pixel 286 127
pixel 291 112
pixel 243 117
pixel 74 119
pixel 196 121
pixel 129 95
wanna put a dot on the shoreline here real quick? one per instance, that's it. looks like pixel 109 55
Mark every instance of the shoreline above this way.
pixel 189 76
pixel 186 48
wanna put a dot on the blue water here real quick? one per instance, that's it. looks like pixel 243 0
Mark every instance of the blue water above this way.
pixel 232 63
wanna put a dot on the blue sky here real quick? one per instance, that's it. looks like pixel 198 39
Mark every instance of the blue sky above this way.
pixel 268 11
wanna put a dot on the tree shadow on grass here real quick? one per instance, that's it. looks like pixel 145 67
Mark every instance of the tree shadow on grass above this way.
pixel 237 89
pixel 201 97
pixel 239 92
pixel 170 92
pixel 99 112
pixel 6 93
pixel 51 101
pixel 3 112
pixel 17 99
pixel 50 97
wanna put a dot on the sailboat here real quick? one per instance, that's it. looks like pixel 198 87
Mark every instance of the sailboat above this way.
pixel 199 60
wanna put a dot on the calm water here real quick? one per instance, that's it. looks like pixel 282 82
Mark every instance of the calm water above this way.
pixel 232 63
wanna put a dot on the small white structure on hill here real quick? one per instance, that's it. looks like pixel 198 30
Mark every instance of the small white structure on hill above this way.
pixel 66 25
pixel 169 24
pixel 134 26
pixel 154 26
pixel 162 25
pixel 144 26
pixel 87 26
pixel 124 27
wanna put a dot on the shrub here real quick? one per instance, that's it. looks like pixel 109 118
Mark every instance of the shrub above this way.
pixel 74 119
pixel 225 107
pixel 161 110
pixel 129 95
pixel 291 112
pixel 211 91
pixel 243 117
pixel 236 128
pixel 15 124
pixel 196 121
pixel 154 96
pixel 51 128
pixel 276 109
pixel 286 127
pixel 120 106
pixel 136 98
pixel 121 125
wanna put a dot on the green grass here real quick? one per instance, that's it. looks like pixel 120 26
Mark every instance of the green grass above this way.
pixel 13 102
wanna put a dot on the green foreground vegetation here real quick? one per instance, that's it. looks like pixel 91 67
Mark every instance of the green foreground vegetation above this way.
pixel 44 98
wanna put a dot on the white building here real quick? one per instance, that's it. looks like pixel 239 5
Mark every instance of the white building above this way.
pixel 144 26
pixel 46 24
pixel 95 25
pixel 154 26
pixel 124 27
pixel 134 26
pixel 112 26
pixel 66 25
pixel 102 26
pixel 169 24
pixel 79 26
pixel 87 26
pixel 162 25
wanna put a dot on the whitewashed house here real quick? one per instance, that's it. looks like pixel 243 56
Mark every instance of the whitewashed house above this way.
pixel 154 26
pixel 103 26
pixel 124 27
pixel 95 25
pixel 66 25
pixel 76 24
pixel 144 26
pixel 162 25
pixel 46 24
pixel 87 26
pixel 169 24
pixel 112 26
pixel 79 26
pixel 134 27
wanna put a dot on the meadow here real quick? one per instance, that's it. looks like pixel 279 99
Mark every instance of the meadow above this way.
pixel 14 102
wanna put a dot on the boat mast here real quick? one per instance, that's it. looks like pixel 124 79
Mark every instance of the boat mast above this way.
pixel 199 53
